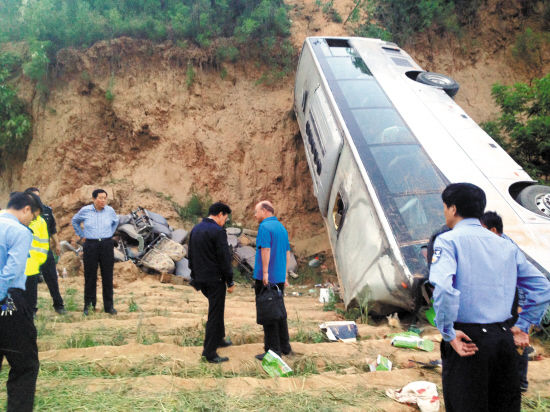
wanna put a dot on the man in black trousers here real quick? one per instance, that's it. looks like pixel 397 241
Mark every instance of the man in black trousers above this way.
pixel 17 330
pixel 100 222
pixel 48 269
pixel 211 272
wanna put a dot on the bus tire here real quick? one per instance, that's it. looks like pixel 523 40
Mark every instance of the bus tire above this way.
pixel 449 85
pixel 536 198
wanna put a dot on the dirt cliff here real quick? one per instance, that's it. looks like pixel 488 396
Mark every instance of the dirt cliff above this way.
pixel 126 115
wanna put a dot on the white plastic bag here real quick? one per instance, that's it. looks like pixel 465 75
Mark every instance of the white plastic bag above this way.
pixel 422 393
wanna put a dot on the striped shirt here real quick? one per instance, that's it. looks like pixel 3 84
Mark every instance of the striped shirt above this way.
pixel 98 224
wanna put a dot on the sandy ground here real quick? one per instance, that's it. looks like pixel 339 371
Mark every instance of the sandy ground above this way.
pixel 161 326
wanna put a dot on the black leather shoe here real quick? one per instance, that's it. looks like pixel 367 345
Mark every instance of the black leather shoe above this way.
pixel 225 343
pixel 111 311
pixel 260 356
pixel 218 359
pixel 61 311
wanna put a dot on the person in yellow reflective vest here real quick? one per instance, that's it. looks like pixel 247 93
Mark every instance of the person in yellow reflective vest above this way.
pixel 37 256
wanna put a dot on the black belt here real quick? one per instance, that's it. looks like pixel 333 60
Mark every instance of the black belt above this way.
pixel 101 239
pixel 505 325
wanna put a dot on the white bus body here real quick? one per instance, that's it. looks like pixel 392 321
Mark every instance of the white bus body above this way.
pixel 381 146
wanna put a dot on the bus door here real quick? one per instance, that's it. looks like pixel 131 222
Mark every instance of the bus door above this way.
pixel 325 143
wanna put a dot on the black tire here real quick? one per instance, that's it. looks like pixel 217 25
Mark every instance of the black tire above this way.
pixel 449 85
pixel 536 198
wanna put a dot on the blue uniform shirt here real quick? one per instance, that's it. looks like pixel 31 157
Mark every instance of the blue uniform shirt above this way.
pixel 475 274
pixel 98 224
pixel 15 242
pixel 273 235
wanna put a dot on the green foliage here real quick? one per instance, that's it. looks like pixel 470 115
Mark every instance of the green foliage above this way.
pixel 525 124
pixel 328 9
pixel 196 207
pixel 15 123
pixel 399 19
pixel 10 62
pixel 227 53
pixel 109 95
pixel 189 75
pixel 132 306
pixel 528 49
pixel 80 23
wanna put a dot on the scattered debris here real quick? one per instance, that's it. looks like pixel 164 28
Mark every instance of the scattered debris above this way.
pixel 293 275
pixel 325 294
pixel 344 330
pixel 393 321
pixel 275 366
pixel 314 263
pixel 433 364
pixel 422 393
pixel 382 364
pixel 411 340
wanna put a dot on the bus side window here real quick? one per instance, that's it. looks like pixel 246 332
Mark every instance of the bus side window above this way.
pixel 304 101
pixel 338 212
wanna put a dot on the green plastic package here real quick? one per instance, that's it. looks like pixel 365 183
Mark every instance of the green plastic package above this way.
pixel 408 340
pixel 275 366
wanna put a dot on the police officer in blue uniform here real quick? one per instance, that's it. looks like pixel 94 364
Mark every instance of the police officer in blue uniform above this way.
pixel 475 275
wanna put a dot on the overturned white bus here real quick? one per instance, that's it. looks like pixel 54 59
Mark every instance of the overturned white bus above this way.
pixel 383 138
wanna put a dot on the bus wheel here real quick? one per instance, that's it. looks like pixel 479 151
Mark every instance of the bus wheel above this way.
pixel 439 80
pixel 536 198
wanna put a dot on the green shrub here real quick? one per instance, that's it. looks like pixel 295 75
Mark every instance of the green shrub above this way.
pixel 528 49
pixel 15 123
pixel 524 124
pixel 189 75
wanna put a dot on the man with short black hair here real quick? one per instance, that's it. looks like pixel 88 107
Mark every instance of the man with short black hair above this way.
pixel 48 269
pixel 17 330
pixel 100 222
pixel 493 222
pixel 211 272
pixel 270 268
pixel 475 275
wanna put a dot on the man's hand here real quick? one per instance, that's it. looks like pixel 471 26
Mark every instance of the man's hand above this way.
pixel 286 283
pixel 231 289
pixel 266 278
pixel 521 338
pixel 463 345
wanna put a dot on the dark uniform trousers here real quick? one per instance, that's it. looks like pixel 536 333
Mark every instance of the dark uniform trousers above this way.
pixel 486 381
pixel 276 335
pixel 18 346
pixel 49 273
pixel 31 292
pixel 98 252
pixel 215 328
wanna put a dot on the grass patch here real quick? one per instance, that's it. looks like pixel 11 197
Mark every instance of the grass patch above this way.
pixel 96 338
pixel 189 336
pixel 55 397
pixel 70 300
pixel 132 306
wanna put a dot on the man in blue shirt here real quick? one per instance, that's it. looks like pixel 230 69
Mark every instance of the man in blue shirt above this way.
pixel 475 274
pixel 100 222
pixel 17 331
pixel 272 254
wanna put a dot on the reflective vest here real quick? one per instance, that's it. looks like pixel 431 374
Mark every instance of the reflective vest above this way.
pixel 39 246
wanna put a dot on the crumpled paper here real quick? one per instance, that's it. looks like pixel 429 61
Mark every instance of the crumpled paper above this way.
pixel 422 393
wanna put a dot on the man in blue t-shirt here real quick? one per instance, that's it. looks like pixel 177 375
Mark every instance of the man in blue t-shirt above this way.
pixel 272 254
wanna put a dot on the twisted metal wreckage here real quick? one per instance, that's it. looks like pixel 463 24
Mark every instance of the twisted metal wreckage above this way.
pixel 145 238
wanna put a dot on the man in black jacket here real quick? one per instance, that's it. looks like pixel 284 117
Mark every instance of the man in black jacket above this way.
pixel 211 271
